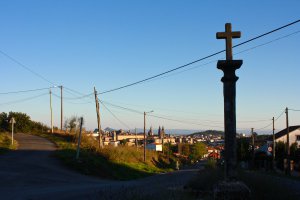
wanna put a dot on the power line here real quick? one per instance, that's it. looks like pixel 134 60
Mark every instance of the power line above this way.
pixel 204 58
pixel 185 122
pixel 25 67
pixel 113 114
pixel 156 108
pixel 22 100
pixel 124 108
pixel 25 91
pixel 161 117
pixel 212 121
pixel 81 94
pixel 272 121
pixel 214 61
pixel 296 110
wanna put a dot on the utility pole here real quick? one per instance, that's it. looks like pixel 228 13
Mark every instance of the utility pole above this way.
pixel 98 119
pixel 144 136
pixel 169 147
pixel 162 142
pixel 79 139
pixel 51 111
pixel 136 140
pixel 288 170
pixel 274 145
pixel 61 107
pixel 253 148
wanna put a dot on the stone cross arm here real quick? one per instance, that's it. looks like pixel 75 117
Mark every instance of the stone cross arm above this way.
pixel 228 35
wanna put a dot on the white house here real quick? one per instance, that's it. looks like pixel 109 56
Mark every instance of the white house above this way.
pixel 294 135
pixel 154 146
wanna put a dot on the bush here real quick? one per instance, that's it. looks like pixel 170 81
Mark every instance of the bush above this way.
pixel 211 164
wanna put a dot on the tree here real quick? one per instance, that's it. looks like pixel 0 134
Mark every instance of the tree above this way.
pixel 3 121
pixel 23 123
pixel 185 149
pixel 71 123
pixel 197 151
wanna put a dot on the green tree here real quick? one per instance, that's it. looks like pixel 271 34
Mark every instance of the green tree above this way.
pixel 23 122
pixel 3 121
pixel 197 151
pixel 185 149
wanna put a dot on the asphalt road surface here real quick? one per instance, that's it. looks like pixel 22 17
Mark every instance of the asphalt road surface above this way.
pixel 32 172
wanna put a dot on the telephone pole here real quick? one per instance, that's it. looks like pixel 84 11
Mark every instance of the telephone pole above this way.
pixel 288 170
pixel 274 145
pixel 136 140
pixel 253 148
pixel 144 136
pixel 51 111
pixel 61 107
pixel 98 119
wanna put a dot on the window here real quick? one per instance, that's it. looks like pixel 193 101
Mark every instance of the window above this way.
pixel 298 137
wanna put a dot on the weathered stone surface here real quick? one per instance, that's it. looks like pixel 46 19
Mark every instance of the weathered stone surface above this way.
pixel 231 190
pixel 229 90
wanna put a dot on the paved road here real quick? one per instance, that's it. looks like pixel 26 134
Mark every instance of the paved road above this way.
pixel 32 172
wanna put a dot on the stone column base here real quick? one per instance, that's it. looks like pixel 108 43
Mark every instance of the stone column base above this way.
pixel 231 190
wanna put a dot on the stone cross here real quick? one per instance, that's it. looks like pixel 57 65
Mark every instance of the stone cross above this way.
pixel 228 35
pixel 230 188
pixel 229 79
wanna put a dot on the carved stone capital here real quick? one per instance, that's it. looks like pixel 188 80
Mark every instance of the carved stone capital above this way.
pixel 229 67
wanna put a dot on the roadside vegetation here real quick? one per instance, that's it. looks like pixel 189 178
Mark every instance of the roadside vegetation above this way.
pixel 23 123
pixel 5 143
pixel 121 163
pixel 262 185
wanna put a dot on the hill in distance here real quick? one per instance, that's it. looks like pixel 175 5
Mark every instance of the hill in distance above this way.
pixel 208 132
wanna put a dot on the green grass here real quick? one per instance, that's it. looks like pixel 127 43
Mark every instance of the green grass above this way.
pixel 262 185
pixel 5 143
pixel 121 163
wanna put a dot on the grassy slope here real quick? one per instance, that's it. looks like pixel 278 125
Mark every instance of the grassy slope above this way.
pixel 122 163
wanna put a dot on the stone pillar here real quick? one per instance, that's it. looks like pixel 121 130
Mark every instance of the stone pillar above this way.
pixel 229 91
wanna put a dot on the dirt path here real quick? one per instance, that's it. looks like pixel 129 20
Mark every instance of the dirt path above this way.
pixel 32 172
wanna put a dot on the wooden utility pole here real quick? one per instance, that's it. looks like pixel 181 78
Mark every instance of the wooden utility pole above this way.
pixel 253 148
pixel 51 111
pixel 136 140
pixel 162 142
pixel 98 119
pixel 79 139
pixel 252 134
pixel 169 147
pixel 274 145
pixel 288 170
pixel 61 107
pixel 144 136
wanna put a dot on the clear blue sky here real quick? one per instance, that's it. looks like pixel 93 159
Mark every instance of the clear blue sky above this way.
pixel 107 44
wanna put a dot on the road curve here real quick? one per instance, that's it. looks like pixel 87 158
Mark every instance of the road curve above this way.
pixel 32 172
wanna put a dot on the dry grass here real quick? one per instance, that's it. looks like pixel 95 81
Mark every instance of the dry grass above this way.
pixel 262 185
pixel 122 162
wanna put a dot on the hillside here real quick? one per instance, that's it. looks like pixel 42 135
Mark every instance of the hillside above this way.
pixel 208 132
